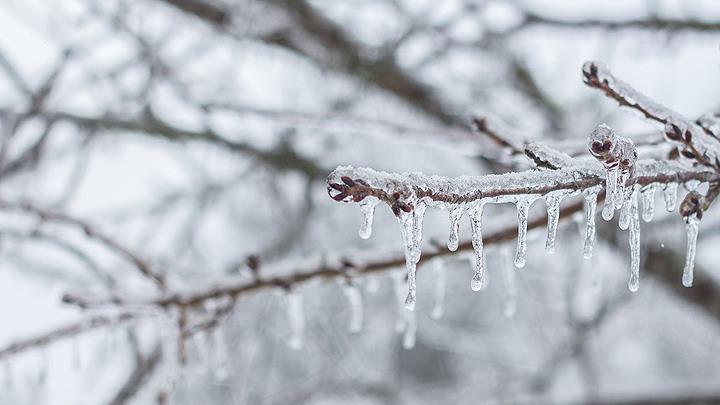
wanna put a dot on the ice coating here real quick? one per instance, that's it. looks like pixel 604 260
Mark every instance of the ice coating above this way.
pixel 523 207
pixel 625 212
pixel 670 196
pixel 608 210
pixel 352 292
pixel 475 213
pixel 440 284
pixel 634 282
pixel 647 195
pixel 367 208
pixel 691 226
pixel 296 319
pixel 411 225
pixel 455 214
pixel 618 156
pixel 552 201
pixel 590 204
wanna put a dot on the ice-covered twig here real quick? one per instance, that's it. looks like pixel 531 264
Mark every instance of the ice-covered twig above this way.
pixel 349 184
pixel 498 132
pixel 55 216
pixel 694 142
pixel 547 157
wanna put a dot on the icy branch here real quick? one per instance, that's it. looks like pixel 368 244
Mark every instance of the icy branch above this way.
pixel 695 142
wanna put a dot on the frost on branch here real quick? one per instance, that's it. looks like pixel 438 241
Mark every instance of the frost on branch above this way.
pixel 697 142
pixel 618 156
pixel 409 194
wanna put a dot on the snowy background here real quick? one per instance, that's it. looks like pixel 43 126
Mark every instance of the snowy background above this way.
pixel 198 133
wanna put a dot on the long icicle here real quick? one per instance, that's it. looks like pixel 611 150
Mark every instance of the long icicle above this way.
pixel 634 282
pixel 475 213
pixel 590 197
pixel 691 226
pixel 523 208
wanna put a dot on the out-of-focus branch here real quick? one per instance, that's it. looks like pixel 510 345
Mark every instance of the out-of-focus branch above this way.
pixel 314 269
pixel 648 23
pixel 144 368
pixel 48 215
pixel 64 332
pixel 280 158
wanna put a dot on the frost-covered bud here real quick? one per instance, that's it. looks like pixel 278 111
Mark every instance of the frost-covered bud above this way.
pixel 601 143
pixel 692 204
pixel 612 150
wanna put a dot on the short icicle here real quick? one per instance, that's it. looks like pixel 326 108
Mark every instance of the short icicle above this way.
pixel 475 214
pixel 296 319
pixel 352 292
pixel 367 208
pixel 454 239
pixel 552 200
pixel 590 197
pixel 634 282
pixel 523 208
pixel 648 202
pixel 691 226
pixel 670 195
pixel 440 284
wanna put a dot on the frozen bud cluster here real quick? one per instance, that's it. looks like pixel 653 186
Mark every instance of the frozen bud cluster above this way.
pixel 618 156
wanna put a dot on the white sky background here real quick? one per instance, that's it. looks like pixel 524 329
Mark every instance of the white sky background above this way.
pixel 124 175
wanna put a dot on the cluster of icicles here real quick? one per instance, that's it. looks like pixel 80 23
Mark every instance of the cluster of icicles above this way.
pixel 620 196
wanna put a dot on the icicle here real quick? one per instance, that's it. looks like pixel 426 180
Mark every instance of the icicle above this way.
pixel 510 285
pixel 42 367
pixel 201 342
pixel 523 207
pixel 553 200
pixel 590 196
pixel 648 202
pixel 441 279
pixel 296 319
pixel 367 208
pixel 398 281
pixel 372 284
pixel 475 214
pixel 691 226
pixel 356 308
pixel 625 212
pixel 410 330
pixel 455 215
pixel 411 226
pixel 610 184
pixel 670 194
pixel 634 282
pixel 692 185
pixel 220 369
